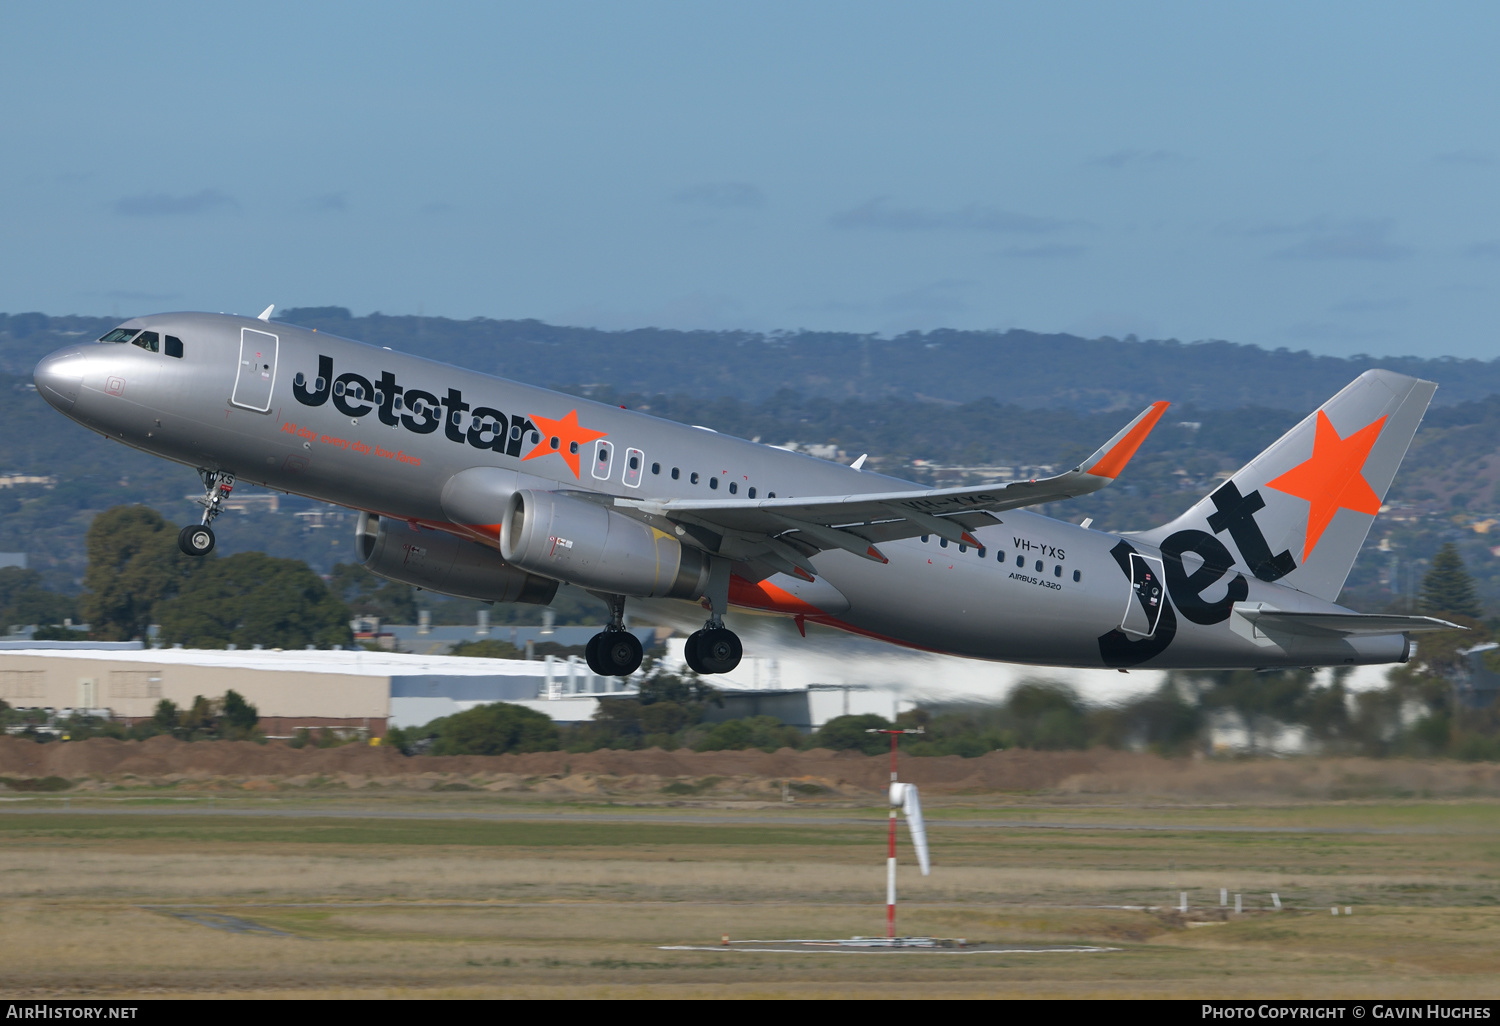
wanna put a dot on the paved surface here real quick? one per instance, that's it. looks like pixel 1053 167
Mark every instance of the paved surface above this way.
pixel 788 819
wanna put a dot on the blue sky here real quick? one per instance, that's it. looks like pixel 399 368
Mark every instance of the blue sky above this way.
pixel 1311 176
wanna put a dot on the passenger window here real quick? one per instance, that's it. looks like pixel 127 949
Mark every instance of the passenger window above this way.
pixel 752 491
pixel 300 380
pixel 174 346
pixel 713 482
pixel 604 453
pixel 943 542
pixel 999 557
pixel 693 477
pixel 981 552
pixel 770 495
pixel 634 460
pixel 1057 570
pixel 733 487
pixel 148 340
pixel 1077 576
pixel 1039 566
pixel 676 473
pixel 656 468
pixel 572 446
pixel 1020 560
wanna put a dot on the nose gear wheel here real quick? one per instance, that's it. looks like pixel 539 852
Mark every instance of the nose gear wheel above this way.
pixel 196 539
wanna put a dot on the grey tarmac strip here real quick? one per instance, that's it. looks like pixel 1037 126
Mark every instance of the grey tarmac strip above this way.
pixel 658 819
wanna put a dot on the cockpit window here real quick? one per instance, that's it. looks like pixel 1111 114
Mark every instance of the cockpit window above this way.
pixel 174 346
pixel 119 335
pixel 148 340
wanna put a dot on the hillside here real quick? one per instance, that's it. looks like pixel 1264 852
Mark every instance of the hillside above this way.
pixel 1020 368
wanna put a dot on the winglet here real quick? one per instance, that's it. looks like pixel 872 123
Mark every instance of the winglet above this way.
pixel 265 315
pixel 1112 456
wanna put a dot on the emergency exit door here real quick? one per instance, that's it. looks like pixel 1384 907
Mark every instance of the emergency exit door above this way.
pixel 1147 596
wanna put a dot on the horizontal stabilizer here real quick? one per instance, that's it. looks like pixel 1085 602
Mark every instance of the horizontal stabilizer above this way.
pixel 1322 625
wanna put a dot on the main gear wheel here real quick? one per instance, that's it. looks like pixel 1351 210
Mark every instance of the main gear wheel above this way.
pixel 714 649
pixel 614 653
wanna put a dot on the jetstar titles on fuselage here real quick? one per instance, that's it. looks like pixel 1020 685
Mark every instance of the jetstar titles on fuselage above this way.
pixel 421 412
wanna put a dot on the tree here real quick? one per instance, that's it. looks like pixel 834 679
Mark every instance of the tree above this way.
pixel 134 564
pixel 851 733
pixel 254 599
pixel 764 732
pixel 23 600
pixel 167 716
pixel 239 717
pixel 1448 589
pixel 370 595
pixel 492 730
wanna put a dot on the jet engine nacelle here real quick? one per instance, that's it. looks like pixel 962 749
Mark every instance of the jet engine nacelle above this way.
pixel 586 544
pixel 440 562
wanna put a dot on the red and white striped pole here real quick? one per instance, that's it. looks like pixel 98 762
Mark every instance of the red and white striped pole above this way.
pixel 890 860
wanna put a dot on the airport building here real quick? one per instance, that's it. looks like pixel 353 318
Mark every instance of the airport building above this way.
pixel 341 689
pixel 371 691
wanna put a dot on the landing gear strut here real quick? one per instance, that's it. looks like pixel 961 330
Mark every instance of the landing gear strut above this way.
pixel 614 651
pixel 716 648
pixel 198 539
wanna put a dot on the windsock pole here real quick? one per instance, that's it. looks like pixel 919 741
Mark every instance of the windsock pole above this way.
pixel 890 860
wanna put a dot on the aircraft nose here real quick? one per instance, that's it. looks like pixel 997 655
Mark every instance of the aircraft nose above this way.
pixel 58 378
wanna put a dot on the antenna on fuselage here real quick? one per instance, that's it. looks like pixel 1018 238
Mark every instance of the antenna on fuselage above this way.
pixel 265 315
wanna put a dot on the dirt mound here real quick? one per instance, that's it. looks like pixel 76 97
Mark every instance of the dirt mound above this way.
pixel 1099 772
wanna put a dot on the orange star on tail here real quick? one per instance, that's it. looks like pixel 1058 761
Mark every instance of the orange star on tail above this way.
pixel 1332 478
pixel 560 436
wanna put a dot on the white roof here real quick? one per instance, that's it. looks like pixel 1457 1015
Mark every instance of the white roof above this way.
pixel 358 663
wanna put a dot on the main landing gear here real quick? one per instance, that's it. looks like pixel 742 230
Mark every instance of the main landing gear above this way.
pixel 716 648
pixel 614 651
pixel 198 539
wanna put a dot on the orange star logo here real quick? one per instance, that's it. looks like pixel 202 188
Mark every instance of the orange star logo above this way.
pixel 563 437
pixel 1332 478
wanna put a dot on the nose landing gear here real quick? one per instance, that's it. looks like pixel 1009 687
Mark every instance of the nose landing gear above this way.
pixel 198 539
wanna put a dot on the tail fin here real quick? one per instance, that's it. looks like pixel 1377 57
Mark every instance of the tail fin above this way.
pixel 1299 512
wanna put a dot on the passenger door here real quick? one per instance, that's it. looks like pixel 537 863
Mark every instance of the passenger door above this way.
pixel 257 370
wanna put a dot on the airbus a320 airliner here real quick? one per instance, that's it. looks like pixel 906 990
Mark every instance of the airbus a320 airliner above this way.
pixel 475 486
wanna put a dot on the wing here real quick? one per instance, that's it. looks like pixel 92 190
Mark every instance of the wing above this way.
pixel 783 534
